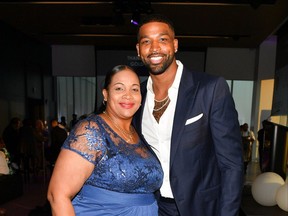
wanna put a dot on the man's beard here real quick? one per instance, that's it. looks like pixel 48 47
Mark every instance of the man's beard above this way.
pixel 161 68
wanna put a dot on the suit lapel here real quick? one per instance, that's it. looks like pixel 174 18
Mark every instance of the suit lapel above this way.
pixel 186 98
pixel 137 120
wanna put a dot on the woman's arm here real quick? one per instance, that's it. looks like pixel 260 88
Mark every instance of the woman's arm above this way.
pixel 70 172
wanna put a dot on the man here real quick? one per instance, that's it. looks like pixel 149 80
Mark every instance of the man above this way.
pixel 58 136
pixel 73 121
pixel 189 120
pixel 11 139
pixel 248 139
pixel 261 148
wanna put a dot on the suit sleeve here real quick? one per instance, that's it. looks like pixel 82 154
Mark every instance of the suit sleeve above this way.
pixel 228 147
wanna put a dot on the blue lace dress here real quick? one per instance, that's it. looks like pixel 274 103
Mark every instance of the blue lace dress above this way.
pixel 125 175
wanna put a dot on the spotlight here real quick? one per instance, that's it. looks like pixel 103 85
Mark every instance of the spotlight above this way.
pixel 135 20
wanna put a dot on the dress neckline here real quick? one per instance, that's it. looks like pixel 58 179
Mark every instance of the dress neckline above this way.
pixel 116 134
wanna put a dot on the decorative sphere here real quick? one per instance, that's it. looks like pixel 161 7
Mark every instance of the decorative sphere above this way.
pixel 282 197
pixel 264 188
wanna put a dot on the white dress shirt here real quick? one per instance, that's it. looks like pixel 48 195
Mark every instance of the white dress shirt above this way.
pixel 158 135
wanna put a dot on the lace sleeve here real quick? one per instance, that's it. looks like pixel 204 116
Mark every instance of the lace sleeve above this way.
pixel 87 140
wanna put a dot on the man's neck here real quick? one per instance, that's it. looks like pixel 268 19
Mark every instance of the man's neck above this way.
pixel 162 82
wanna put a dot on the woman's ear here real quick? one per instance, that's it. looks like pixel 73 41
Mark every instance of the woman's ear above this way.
pixel 105 94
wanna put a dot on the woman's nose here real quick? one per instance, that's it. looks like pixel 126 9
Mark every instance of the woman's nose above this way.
pixel 127 95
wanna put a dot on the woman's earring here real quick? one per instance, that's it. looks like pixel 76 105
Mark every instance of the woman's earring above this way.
pixel 104 102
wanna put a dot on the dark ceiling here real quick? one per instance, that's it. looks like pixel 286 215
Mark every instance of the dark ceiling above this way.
pixel 107 24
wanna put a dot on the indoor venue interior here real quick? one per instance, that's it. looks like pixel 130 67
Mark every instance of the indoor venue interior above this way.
pixel 54 56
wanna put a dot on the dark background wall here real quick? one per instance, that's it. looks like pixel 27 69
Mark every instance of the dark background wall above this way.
pixel 25 77
pixel 28 88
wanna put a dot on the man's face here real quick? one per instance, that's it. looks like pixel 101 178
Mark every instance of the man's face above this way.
pixel 156 46
pixel 245 127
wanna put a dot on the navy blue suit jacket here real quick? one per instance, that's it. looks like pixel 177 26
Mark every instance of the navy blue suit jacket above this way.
pixel 206 165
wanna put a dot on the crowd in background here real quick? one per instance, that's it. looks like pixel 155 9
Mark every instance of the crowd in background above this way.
pixel 33 144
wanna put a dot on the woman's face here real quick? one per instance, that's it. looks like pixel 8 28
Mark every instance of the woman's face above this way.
pixel 123 94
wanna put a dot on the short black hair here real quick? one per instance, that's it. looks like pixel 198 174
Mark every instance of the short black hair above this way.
pixel 155 18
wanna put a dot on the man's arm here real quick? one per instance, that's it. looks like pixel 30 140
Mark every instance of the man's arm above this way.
pixel 228 146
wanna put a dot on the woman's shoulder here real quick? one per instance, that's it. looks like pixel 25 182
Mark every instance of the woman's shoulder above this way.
pixel 92 123
pixel 92 118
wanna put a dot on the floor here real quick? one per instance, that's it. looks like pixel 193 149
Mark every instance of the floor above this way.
pixel 253 170
pixel 34 196
pixel 33 199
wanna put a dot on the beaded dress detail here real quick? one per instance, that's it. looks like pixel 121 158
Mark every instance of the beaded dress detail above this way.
pixel 119 166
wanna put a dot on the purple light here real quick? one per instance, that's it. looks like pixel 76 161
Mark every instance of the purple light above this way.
pixel 134 22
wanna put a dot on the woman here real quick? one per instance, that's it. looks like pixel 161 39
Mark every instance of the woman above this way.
pixel 4 159
pixel 104 167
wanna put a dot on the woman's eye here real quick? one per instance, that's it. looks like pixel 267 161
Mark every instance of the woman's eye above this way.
pixel 118 89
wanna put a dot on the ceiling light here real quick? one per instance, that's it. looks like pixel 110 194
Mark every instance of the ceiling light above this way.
pixel 135 20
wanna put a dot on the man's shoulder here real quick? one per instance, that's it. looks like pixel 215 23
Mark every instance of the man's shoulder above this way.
pixel 201 75
pixel 59 129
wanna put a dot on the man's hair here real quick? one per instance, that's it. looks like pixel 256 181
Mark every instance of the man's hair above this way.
pixel 155 18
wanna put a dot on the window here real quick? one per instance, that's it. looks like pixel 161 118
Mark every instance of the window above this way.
pixel 75 95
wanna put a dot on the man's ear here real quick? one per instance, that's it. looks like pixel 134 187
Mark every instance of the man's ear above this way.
pixel 175 45
pixel 137 48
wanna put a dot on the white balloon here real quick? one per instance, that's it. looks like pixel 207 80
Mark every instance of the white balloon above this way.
pixel 282 197
pixel 264 188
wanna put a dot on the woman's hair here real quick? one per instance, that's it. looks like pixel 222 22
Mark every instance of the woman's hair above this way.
pixel 108 79
pixel 2 144
pixel 155 18
pixel 112 72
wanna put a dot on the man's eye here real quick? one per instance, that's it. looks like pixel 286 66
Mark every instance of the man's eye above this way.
pixel 145 42
pixel 163 39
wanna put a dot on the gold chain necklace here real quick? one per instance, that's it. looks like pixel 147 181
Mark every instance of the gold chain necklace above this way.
pixel 160 101
pixel 166 102
pixel 125 133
